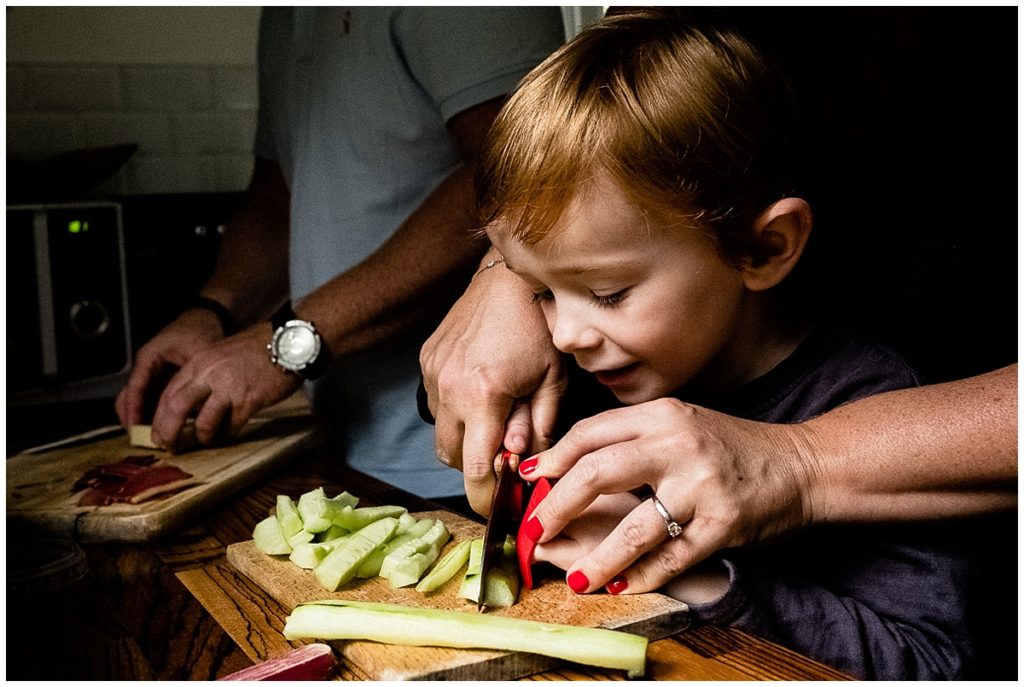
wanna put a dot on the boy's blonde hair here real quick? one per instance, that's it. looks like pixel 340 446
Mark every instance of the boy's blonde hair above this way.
pixel 691 122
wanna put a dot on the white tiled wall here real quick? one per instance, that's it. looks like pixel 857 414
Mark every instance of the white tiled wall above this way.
pixel 178 81
pixel 194 125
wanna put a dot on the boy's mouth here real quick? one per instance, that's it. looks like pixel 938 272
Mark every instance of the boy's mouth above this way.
pixel 616 377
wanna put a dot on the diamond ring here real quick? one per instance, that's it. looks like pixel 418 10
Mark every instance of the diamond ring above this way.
pixel 674 528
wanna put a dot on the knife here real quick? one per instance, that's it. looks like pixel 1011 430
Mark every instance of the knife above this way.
pixel 506 509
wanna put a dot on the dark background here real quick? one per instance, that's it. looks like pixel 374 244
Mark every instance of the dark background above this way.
pixel 911 120
pixel 912 135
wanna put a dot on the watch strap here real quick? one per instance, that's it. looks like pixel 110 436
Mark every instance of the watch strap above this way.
pixel 227 321
pixel 283 315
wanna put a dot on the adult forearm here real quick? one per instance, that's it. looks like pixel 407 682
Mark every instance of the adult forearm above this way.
pixel 937 451
pixel 250 277
pixel 414 277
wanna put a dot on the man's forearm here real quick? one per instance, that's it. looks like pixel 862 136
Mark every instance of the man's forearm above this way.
pixel 937 451
pixel 251 274
pixel 412 278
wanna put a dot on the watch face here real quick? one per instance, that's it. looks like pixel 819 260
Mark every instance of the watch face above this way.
pixel 296 346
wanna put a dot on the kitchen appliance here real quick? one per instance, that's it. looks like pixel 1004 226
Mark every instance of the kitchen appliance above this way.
pixel 68 335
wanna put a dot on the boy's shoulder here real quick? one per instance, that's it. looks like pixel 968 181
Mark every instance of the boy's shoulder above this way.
pixel 834 365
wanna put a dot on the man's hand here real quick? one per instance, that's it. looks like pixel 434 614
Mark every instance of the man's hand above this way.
pixel 166 352
pixel 224 385
pixel 492 377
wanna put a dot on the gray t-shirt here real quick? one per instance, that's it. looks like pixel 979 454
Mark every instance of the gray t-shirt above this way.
pixel 353 105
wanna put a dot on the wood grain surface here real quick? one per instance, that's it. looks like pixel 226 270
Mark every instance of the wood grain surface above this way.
pixel 39 484
pixel 651 615
pixel 175 609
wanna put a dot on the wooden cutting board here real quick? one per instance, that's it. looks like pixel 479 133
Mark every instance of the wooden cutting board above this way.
pixel 651 615
pixel 39 484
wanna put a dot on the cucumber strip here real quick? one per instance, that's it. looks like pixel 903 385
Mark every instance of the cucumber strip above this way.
pixel 300 537
pixel 393 624
pixel 341 565
pixel 332 532
pixel 502 585
pixel 288 516
pixel 410 569
pixel 437 535
pixel 316 509
pixel 470 587
pixel 310 555
pixel 405 521
pixel 354 519
pixel 446 568
pixel 476 557
pixel 371 566
pixel 269 539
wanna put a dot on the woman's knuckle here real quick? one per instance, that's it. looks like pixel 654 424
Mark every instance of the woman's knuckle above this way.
pixel 635 539
pixel 588 471
pixel 669 560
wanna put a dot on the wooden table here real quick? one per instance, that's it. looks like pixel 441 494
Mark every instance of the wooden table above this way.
pixel 175 610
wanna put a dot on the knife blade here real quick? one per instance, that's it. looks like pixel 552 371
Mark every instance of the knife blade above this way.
pixel 506 508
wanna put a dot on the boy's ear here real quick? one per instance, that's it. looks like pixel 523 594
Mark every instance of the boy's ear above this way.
pixel 780 233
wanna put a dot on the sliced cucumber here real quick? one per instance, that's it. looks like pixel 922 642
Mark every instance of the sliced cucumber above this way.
pixel 502 585
pixel 437 536
pixel 354 519
pixel 410 569
pixel 317 511
pixel 371 566
pixel 288 516
pixel 310 555
pixel 446 568
pixel 342 564
pixel 269 538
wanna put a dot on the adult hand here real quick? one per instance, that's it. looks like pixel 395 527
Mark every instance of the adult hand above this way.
pixel 224 384
pixel 165 353
pixel 727 481
pixel 492 377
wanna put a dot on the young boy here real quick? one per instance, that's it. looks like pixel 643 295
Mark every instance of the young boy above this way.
pixel 642 181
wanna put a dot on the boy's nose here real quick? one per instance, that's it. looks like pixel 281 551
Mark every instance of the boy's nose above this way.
pixel 572 333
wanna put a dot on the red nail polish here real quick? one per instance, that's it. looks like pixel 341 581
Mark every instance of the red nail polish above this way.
pixel 617 585
pixel 534 530
pixel 578 582
pixel 527 466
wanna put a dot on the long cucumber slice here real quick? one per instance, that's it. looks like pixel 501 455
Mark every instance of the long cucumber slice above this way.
pixel 371 566
pixel 394 624
pixel 341 565
pixel 437 536
pixel 354 519
pixel 446 568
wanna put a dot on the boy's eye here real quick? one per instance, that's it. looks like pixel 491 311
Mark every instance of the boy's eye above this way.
pixel 611 299
pixel 545 295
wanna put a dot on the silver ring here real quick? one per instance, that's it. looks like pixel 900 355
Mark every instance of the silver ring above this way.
pixel 674 528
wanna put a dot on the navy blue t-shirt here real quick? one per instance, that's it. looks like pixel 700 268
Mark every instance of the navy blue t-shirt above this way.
pixel 881 602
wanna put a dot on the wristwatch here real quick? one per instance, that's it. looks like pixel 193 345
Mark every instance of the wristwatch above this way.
pixel 296 345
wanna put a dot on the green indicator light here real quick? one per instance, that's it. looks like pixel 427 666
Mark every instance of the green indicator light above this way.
pixel 74 226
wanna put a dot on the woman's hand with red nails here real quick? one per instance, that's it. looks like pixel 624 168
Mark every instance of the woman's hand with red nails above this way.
pixel 714 474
